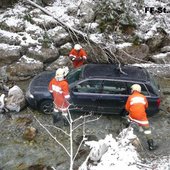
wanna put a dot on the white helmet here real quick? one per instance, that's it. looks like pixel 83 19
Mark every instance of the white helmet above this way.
pixel 61 73
pixel 77 47
pixel 136 87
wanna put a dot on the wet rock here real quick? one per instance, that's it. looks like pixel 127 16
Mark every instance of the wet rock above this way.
pixel 7 3
pixel 61 61
pixel 156 42
pixel 15 100
pixel 161 58
pixel 65 49
pixel 9 38
pixel 25 120
pixel 168 110
pixel 165 49
pixel 84 11
pixel 24 69
pixel 10 23
pixel 59 36
pixel 43 54
pixel 24 166
pixel 30 133
pixel 128 53
pixel 9 53
pixel 39 167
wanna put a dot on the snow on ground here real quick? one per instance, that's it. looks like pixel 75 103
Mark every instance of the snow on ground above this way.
pixel 120 153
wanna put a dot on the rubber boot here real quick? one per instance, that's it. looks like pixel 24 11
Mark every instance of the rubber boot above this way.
pixel 65 121
pixel 151 144
pixel 56 117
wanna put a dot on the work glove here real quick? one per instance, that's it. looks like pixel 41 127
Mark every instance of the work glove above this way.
pixel 72 58
pixel 79 59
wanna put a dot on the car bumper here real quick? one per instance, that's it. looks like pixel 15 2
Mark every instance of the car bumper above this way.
pixel 30 100
pixel 32 103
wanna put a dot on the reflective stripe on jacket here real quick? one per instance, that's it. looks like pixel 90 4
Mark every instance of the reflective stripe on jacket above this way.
pixel 78 54
pixel 60 91
pixel 136 106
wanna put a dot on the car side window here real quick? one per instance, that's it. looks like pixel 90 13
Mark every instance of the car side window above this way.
pixel 89 86
pixel 144 90
pixel 114 87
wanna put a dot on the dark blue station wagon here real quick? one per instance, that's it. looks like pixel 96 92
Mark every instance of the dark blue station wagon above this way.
pixel 100 88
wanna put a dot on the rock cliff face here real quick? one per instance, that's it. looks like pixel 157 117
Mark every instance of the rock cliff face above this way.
pixel 32 41
pixel 7 3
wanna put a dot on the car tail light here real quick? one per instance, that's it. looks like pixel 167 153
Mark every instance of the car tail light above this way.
pixel 158 102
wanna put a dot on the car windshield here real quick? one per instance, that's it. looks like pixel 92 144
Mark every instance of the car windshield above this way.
pixel 74 75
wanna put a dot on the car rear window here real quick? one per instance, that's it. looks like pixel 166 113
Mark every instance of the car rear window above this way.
pixel 144 90
pixel 74 75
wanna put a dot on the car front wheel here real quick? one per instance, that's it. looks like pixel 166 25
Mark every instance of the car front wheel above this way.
pixel 46 106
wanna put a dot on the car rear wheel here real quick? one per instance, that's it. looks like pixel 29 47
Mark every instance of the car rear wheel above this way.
pixel 46 106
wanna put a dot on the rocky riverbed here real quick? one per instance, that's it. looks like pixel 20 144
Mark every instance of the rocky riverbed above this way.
pixel 20 153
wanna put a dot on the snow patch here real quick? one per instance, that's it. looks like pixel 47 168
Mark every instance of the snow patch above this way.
pixel 28 60
pixel 123 45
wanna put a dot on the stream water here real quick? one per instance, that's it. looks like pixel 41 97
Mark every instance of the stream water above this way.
pixel 17 153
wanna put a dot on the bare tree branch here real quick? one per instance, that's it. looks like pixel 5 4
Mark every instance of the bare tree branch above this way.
pixel 82 117
pixel 52 135
pixel 58 129
pixel 86 122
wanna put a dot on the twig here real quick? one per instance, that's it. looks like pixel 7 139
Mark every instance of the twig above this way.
pixel 80 142
pixel 52 135
pixel 57 129
pixel 82 117
pixel 143 165
pixel 86 122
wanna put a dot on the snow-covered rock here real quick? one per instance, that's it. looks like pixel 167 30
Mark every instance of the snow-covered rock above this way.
pixel 24 69
pixel 9 53
pixel 15 100
pixel 43 54
pixel 110 153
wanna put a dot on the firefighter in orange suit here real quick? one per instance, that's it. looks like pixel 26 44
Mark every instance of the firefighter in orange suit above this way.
pixel 136 105
pixel 77 56
pixel 59 88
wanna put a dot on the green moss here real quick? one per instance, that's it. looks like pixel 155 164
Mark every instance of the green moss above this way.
pixel 46 42
pixel 28 18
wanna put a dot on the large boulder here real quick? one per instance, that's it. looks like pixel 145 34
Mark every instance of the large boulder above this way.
pixel 7 3
pixel 84 11
pixel 165 49
pixel 15 100
pixel 161 58
pixel 9 53
pixel 128 53
pixel 157 41
pixel 59 36
pixel 60 62
pixel 9 38
pixel 24 69
pixel 65 49
pixel 42 54
pixel 11 23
